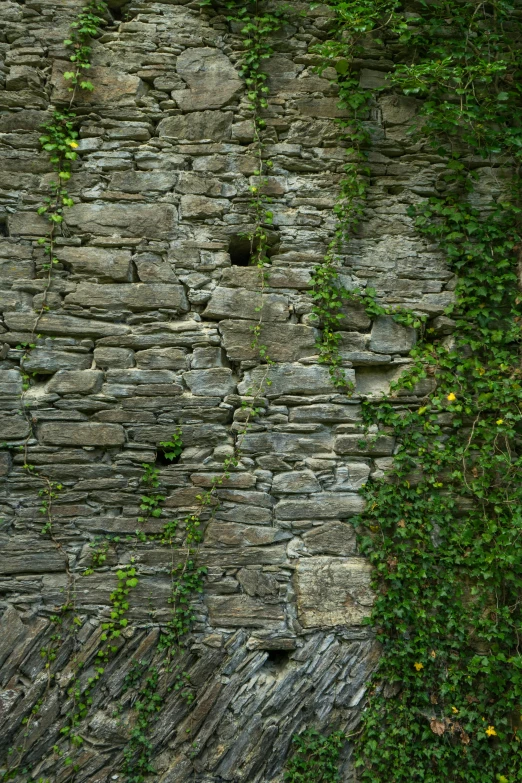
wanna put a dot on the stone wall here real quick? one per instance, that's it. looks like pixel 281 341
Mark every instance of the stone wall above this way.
pixel 149 327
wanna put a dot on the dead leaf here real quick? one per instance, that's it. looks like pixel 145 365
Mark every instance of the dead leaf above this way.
pixel 438 727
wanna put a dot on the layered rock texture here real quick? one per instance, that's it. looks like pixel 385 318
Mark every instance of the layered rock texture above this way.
pixel 148 326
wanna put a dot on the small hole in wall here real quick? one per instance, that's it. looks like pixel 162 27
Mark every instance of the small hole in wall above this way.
pixel 278 659
pixel 241 250
pixel 163 461
pixel 39 378
pixel 117 11
pixel 3 227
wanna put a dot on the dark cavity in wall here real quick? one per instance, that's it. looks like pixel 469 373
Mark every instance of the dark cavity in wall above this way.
pixel 243 250
pixel 3 227
pixel 118 11
pixel 277 659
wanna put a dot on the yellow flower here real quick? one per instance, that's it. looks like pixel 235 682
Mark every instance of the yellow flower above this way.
pixel 72 144
pixel 455 710
pixel 490 731
pixel 419 666
pixel 451 397
pixel 500 421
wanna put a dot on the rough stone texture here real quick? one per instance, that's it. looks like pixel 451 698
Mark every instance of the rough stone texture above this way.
pixel 333 591
pixel 150 327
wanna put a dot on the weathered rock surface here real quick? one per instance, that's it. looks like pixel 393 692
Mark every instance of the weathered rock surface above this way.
pixel 333 591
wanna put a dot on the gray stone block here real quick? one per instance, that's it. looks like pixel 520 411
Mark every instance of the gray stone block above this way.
pixel 81 434
pixel 216 381
pixel 76 382
pixel 197 126
pixel 244 611
pixel 390 337
pixel 107 264
pixel 113 87
pixel 162 359
pixel 284 342
pixel 238 303
pixel 373 445
pixel 156 221
pixel 211 78
pixel 290 378
pixel 45 361
pixel 201 207
pixel 13 427
pixel 295 481
pixel 113 358
pixel 332 538
pixel 135 296
pixel 321 505
pixel 56 323
pixel 333 591
pixel 329 413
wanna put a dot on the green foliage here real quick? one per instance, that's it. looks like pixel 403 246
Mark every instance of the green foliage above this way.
pixel 172 448
pixel 442 529
pixel 85 27
pixel 137 755
pixel 99 555
pixel 315 758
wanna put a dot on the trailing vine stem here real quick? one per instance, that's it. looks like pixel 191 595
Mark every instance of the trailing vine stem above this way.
pixel 442 528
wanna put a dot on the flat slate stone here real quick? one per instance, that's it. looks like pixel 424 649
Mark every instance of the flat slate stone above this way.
pixel 238 303
pixel 291 378
pixel 81 434
pixel 284 342
pixel 333 591
pixel 135 296
pixel 321 505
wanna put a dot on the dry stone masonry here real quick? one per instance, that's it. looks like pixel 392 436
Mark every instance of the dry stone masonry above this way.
pixel 148 327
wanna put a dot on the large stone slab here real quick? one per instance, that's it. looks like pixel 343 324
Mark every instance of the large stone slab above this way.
pixel 135 296
pixel 66 433
pixel 13 427
pixel 238 303
pixel 56 323
pixel 212 79
pixel 295 482
pixel 284 342
pixel 275 277
pixel 45 361
pixel 291 378
pixel 112 86
pixel 332 538
pixel 327 413
pixel 108 264
pixel 333 591
pixel 76 382
pixel 197 126
pixel 390 337
pixel 321 505
pixel 156 221
pixel 227 534
pixel 295 444
pixel 216 381
pixel 202 208
pixel 372 445
pixel 243 611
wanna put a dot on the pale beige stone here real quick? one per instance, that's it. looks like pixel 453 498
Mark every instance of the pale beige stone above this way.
pixel 333 591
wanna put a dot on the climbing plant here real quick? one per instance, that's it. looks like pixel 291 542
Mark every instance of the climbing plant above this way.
pixel 442 529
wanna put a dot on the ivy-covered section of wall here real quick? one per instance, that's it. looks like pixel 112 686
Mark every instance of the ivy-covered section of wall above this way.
pixel 442 527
